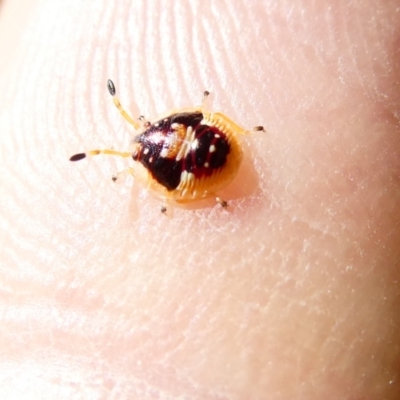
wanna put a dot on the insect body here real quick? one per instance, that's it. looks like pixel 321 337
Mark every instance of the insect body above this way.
pixel 183 156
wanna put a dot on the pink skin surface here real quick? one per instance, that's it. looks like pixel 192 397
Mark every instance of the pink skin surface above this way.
pixel 291 293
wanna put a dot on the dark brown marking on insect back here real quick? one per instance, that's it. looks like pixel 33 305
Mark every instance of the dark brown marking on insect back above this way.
pixel 203 162
pixel 198 160
pixel 161 135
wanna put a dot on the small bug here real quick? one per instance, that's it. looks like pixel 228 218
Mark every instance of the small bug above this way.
pixel 184 155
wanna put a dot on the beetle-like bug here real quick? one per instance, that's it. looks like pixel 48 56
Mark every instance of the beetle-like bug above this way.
pixel 184 155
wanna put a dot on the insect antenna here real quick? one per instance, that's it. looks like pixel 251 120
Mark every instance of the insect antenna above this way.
pixel 81 156
pixel 111 89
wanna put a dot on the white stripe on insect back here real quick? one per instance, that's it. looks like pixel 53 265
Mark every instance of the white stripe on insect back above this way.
pixel 164 152
pixel 186 183
pixel 189 143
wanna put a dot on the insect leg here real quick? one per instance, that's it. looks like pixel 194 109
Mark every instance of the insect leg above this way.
pixel 255 129
pixel 144 122
pixel 221 202
pixel 205 97
pixel 122 174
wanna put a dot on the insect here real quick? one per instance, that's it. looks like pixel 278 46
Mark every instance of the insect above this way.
pixel 184 155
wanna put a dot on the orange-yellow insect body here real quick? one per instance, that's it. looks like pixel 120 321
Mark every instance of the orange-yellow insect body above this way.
pixel 185 155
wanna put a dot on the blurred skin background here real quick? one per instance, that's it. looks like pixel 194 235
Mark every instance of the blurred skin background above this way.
pixel 293 292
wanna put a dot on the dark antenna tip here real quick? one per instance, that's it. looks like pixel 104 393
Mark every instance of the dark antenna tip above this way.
pixel 111 87
pixel 77 157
